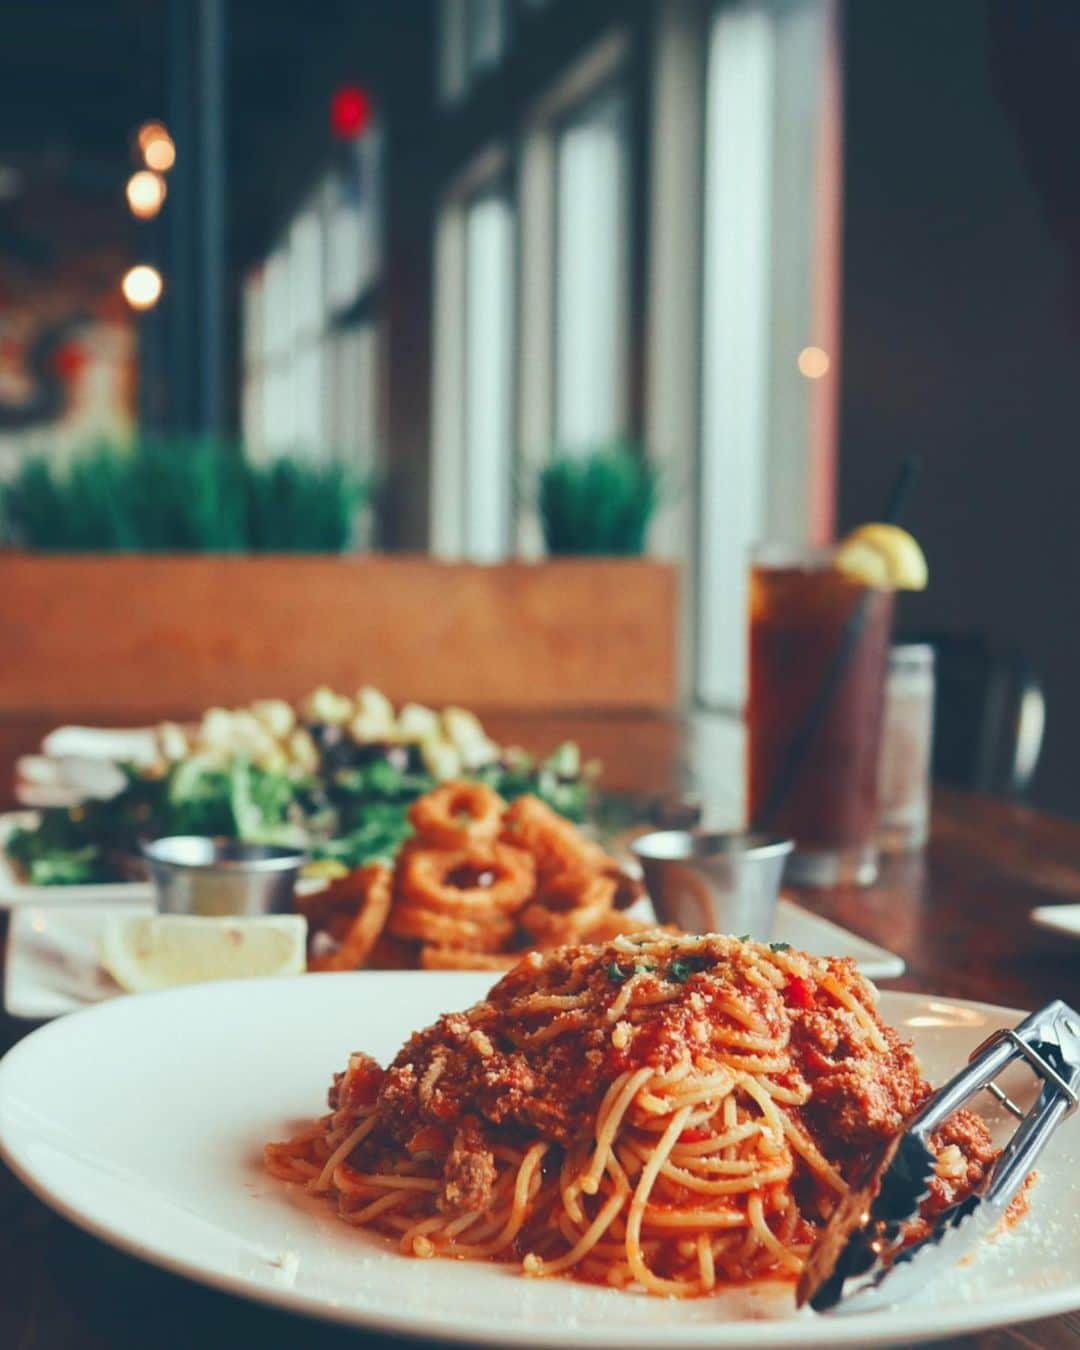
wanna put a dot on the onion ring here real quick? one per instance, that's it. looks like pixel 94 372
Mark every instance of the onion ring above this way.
pixel 569 906
pixel 375 884
pixel 467 883
pixel 457 814
pixel 411 920
pixel 555 842
pixel 433 957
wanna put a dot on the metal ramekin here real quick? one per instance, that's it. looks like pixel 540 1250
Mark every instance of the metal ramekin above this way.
pixel 196 874
pixel 713 883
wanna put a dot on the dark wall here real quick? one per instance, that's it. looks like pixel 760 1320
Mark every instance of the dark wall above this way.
pixel 960 331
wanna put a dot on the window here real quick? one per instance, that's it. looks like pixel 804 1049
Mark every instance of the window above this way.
pixel 352 206
pixel 591 274
pixel 771 184
pixel 310 345
pixel 308 318
pixel 278 408
pixel 575 195
pixel 352 407
pixel 489 342
pixel 473 441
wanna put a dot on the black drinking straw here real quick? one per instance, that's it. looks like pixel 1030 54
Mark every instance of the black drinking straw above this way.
pixel 805 732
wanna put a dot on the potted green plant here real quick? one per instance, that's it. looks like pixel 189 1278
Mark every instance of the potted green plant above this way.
pixel 600 502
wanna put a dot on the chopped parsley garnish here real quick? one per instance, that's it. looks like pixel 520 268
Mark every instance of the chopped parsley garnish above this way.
pixel 616 974
pixel 744 937
pixel 779 946
pixel 683 967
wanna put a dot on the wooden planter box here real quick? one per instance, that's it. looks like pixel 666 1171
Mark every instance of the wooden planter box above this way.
pixel 115 637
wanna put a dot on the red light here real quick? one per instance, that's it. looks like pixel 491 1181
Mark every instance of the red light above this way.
pixel 69 360
pixel 350 112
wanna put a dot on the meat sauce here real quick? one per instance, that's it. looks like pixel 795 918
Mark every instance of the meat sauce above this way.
pixel 495 1071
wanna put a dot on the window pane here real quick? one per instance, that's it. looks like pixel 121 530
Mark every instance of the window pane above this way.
pixel 277 307
pixel 343 247
pixel 307 393
pixel 306 274
pixel 488 377
pixel 591 275
pixel 279 409
pixel 353 428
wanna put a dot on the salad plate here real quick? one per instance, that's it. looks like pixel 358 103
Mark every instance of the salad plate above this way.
pixel 14 892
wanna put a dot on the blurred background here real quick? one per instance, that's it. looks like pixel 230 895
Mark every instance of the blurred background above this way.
pixel 483 266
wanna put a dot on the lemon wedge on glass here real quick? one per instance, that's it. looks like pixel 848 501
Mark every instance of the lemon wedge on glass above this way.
pixel 882 555
pixel 157 951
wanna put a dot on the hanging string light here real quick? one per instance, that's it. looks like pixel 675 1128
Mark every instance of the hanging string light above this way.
pixel 145 193
pixel 142 286
pixel 156 146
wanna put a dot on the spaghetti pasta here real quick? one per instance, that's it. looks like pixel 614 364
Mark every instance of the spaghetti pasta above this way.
pixel 669 1114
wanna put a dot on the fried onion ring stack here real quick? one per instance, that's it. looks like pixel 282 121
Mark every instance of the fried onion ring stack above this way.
pixel 478 885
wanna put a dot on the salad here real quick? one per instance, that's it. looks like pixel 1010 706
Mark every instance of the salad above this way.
pixel 334 775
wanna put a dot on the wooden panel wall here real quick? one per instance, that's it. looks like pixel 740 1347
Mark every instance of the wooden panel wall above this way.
pixel 120 638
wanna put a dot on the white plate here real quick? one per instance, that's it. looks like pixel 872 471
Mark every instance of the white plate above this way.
pixel 142 1120
pixel 820 937
pixel 1058 918
pixel 53 960
pixel 14 892
pixel 52 964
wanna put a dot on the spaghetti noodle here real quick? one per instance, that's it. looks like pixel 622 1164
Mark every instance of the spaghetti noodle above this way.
pixel 672 1114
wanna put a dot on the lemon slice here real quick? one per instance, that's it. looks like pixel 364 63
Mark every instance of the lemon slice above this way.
pixel 157 951
pixel 884 556
pixel 324 869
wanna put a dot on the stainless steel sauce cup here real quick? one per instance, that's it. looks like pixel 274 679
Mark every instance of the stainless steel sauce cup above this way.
pixel 195 874
pixel 713 883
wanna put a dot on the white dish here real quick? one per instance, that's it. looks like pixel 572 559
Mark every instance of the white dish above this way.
pixel 1058 918
pixel 178 1091
pixel 14 892
pixel 52 964
pixel 809 931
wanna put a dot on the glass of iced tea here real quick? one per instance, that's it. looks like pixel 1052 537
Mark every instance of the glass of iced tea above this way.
pixel 818 648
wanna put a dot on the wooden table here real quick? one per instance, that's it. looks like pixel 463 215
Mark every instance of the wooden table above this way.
pixel 959 917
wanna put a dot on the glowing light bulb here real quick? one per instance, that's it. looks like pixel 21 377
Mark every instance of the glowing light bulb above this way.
pixel 142 286
pixel 813 362
pixel 145 193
